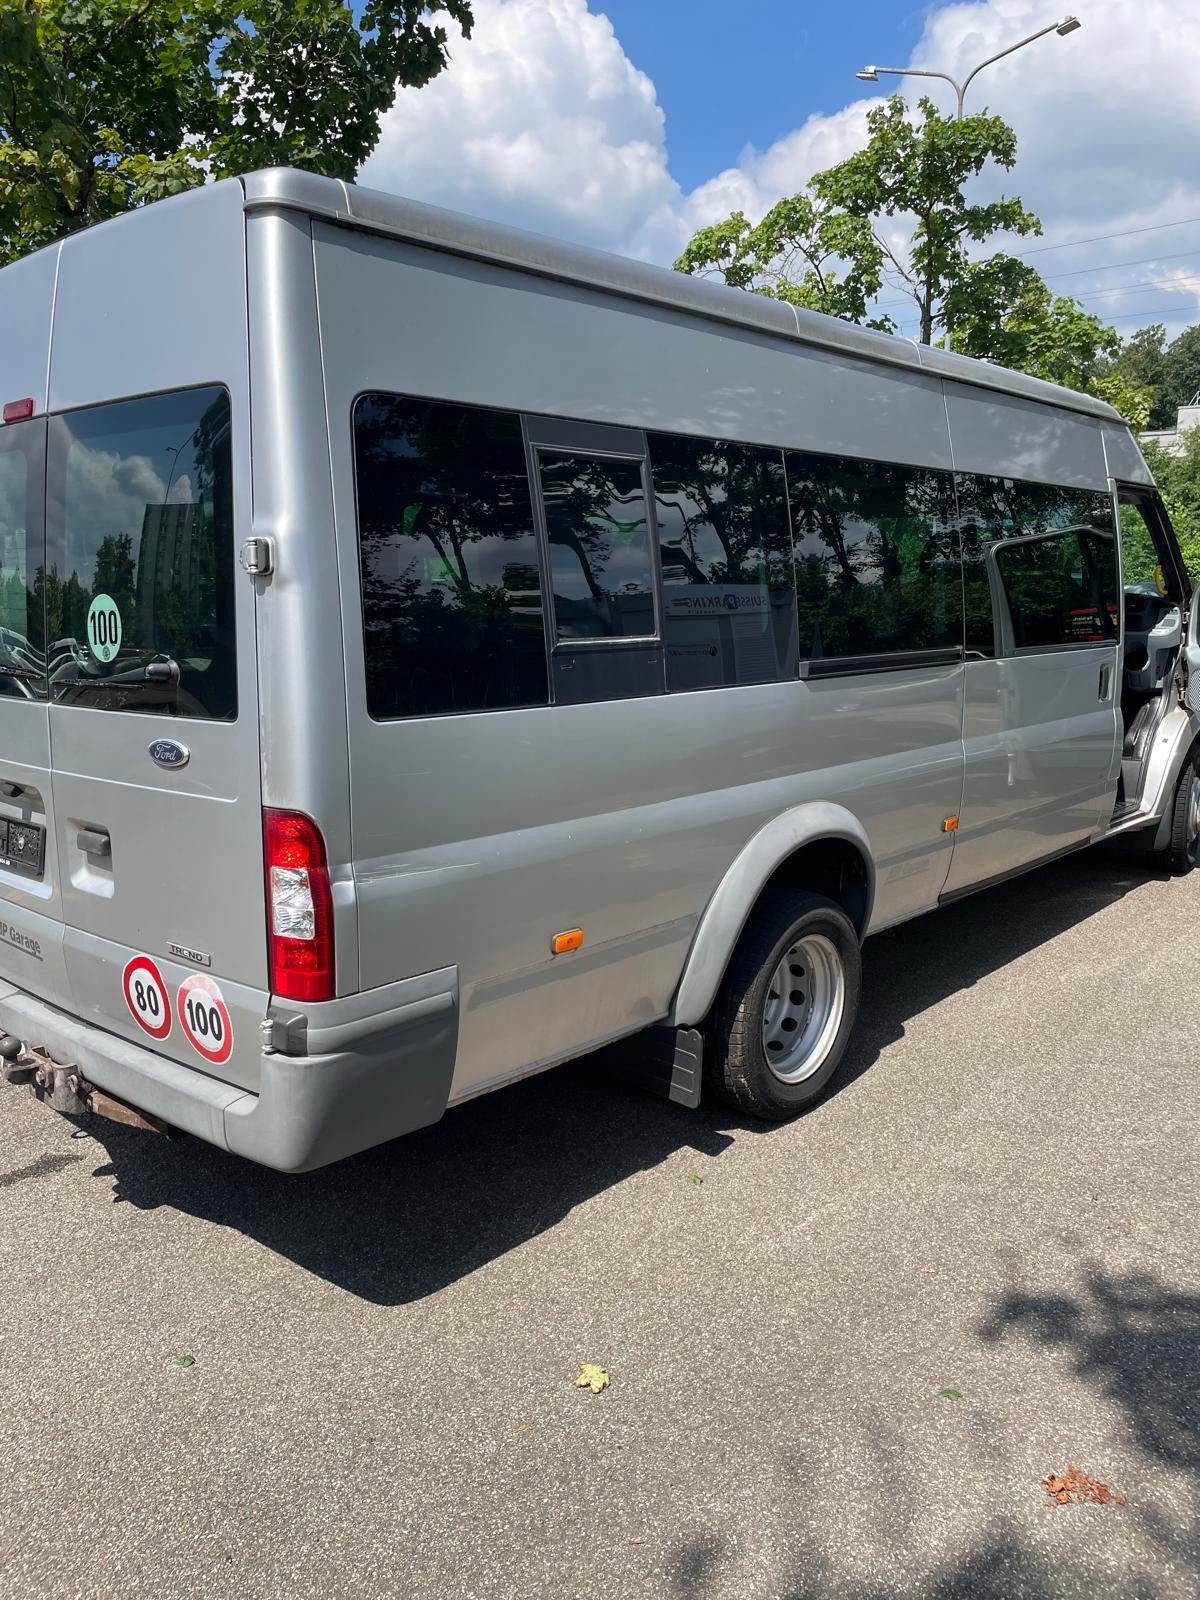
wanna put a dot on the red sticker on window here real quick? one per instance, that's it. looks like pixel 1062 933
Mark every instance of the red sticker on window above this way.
pixel 204 1017
pixel 146 996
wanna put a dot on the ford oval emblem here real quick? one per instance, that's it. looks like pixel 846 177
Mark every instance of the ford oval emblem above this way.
pixel 170 753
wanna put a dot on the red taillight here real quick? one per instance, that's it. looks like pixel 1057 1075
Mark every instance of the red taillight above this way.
pixel 299 908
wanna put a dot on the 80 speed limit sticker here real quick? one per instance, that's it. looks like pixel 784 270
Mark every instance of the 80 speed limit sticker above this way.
pixel 204 1017
pixel 146 996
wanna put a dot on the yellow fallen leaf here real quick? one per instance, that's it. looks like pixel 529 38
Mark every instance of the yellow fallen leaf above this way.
pixel 592 1377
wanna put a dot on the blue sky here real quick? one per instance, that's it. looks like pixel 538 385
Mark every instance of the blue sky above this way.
pixel 724 84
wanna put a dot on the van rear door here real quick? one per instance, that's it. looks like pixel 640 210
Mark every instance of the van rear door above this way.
pixel 31 917
pixel 154 728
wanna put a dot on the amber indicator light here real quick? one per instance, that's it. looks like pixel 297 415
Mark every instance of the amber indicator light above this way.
pixel 570 940
pixel 950 824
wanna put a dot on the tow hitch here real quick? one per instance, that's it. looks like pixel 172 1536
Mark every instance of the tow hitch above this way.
pixel 63 1087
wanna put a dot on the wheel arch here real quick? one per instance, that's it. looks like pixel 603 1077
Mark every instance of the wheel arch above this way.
pixel 819 846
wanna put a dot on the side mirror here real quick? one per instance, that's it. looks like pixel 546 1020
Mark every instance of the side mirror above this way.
pixel 1191 654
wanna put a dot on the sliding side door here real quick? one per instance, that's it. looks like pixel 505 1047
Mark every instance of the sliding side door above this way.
pixel 1042 718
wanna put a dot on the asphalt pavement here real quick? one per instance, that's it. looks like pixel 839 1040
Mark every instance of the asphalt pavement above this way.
pixel 844 1353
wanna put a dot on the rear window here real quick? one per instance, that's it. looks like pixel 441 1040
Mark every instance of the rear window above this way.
pixel 140 557
pixel 22 659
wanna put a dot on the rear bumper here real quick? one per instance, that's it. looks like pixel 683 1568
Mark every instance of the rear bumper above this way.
pixel 378 1065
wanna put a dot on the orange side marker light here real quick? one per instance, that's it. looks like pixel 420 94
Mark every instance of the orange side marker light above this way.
pixel 950 824
pixel 570 940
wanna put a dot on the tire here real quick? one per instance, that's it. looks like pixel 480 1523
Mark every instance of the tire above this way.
pixel 1180 855
pixel 749 1059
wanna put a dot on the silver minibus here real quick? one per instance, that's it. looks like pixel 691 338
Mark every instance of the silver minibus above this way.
pixel 429 653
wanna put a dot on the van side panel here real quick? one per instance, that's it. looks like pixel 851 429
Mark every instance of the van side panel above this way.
pixel 1041 732
pixel 478 837
pixel 469 331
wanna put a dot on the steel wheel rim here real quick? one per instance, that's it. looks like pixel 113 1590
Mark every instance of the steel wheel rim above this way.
pixel 806 999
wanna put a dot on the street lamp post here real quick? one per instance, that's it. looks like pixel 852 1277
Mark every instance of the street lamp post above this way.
pixel 1064 26
pixel 871 74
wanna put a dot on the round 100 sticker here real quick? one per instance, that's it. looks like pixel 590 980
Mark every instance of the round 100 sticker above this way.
pixel 204 1017
pixel 146 996
pixel 104 627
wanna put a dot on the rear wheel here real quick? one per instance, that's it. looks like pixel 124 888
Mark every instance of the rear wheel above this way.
pixel 779 1028
pixel 1179 857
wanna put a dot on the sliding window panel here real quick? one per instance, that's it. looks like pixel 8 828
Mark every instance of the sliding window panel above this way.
pixel 877 564
pixel 725 549
pixel 602 576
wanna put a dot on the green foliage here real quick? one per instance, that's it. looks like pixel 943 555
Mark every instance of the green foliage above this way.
pixel 108 103
pixel 1178 479
pixel 1181 375
pixel 1002 310
pixel 829 247
pixel 921 170
pixel 791 255
pixel 1168 374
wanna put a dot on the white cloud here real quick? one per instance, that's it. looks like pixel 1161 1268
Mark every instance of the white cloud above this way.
pixel 542 120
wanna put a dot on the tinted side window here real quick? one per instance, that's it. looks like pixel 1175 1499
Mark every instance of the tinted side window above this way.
pixel 599 535
pixel 729 606
pixel 452 605
pixel 1057 581
pixel 22 562
pixel 140 586
pixel 876 557
pixel 1060 589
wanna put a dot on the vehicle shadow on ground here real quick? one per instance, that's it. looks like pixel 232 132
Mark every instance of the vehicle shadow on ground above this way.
pixel 402 1221
pixel 1132 1339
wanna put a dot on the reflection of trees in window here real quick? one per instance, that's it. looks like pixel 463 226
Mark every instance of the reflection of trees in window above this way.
pixel 876 556
pixel 21 656
pixel 451 591
pixel 726 554
pixel 1063 591
pixel 598 532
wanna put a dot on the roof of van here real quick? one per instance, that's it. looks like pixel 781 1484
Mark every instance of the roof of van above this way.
pixel 453 231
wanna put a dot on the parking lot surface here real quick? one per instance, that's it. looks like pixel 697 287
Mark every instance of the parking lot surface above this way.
pixel 844 1353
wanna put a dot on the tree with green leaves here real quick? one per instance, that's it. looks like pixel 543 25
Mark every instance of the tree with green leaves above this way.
pixel 1004 312
pixel 894 214
pixel 1178 480
pixel 105 104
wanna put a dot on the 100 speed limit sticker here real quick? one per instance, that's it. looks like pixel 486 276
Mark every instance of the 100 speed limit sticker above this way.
pixel 204 1018
pixel 203 1014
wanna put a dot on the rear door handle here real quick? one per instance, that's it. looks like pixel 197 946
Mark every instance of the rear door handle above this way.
pixel 94 842
pixel 1105 679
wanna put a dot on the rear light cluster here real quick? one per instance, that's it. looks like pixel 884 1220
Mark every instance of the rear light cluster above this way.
pixel 299 908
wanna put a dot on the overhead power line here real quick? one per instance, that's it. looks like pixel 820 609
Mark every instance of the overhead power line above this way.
pixel 1101 238
pixel 1076 272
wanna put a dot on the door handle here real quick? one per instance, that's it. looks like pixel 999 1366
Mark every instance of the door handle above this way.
pixel 1105 680
pixel 94 842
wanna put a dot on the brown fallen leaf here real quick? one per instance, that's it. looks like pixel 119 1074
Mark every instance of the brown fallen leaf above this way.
pixel 1076 1487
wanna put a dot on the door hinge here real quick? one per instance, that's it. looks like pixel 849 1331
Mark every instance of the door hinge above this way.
pixel 257 557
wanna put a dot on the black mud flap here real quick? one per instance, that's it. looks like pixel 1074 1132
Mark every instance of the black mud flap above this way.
pixel 665 1061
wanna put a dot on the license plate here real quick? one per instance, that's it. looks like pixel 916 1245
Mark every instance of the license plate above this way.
pixel 23 847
